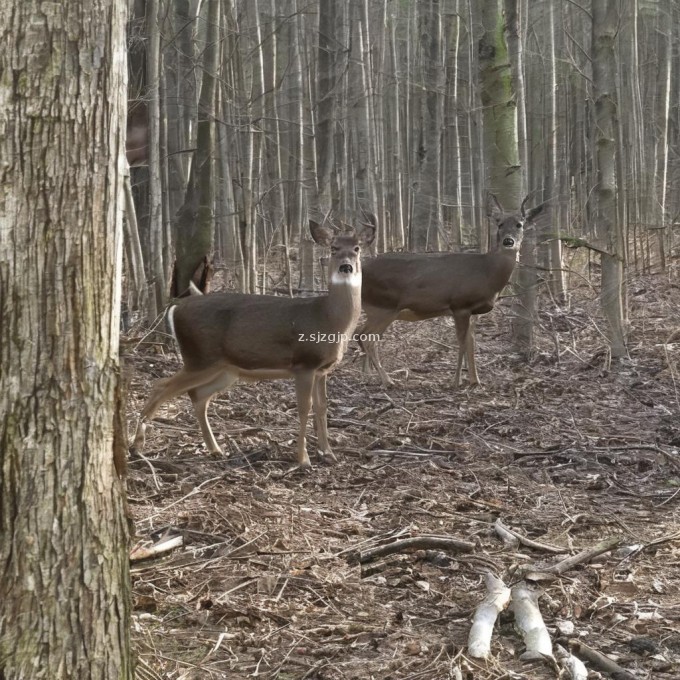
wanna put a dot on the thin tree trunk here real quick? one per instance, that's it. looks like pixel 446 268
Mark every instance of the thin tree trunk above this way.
pixel 156 260
pixel 426 221
pixel 194 230
pixel 133 250
pixel 605 25
pixel 557 280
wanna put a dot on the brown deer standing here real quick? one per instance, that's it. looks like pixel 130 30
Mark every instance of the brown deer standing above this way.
pixel 419 286
pixel 226 337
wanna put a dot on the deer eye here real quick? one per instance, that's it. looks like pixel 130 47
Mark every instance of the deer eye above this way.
pixel 356 249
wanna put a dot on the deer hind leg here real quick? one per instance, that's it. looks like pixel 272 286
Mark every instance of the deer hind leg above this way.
pixel 320 400
pixel 163 391
pixel 377 322
pixel 304 386
pixel 201 396
pixel 465 346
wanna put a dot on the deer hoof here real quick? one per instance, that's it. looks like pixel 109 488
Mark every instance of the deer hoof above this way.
pixel 327 455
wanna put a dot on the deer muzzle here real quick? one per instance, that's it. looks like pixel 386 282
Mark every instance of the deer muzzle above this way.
pixel 345 269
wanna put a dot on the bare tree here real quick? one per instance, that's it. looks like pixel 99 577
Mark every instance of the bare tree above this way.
pixel 194 228
pixel 426 221
pixel 604 27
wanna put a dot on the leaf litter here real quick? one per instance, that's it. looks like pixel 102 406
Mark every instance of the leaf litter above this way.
pixel 269 576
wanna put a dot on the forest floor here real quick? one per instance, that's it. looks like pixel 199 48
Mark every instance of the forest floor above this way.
pixel 565 451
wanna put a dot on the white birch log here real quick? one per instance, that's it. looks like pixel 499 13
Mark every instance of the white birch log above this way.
pixel 529 622
pixel 479 639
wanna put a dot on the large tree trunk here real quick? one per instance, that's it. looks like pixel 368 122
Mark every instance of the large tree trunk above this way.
pixel 605 25
pixel 503 171
pixel 524 305
pixel 426 222
pixel 195 229
pixel 64 588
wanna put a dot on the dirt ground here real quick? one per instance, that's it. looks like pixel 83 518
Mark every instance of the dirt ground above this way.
pixel 566 451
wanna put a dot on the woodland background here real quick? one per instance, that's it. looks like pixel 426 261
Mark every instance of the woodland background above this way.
pixel 253 115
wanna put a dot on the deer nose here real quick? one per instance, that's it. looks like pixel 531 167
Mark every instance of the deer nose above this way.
pixel 508 242
pixel 346 269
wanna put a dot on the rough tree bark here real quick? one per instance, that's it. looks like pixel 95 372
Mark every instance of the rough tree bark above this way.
pixel 194 229
pixel 503 171
pixel 426 221
pixel 604 28
pixel 64 586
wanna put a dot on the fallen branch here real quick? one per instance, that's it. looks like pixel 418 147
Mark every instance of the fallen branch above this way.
pixel 571 664
pixel 530 623
pixel 417 543
pixel 479 639
pixel 506 533
pixel 508 537
pixel 600 661
pixel 143 552
pixel 671 458
pixel 584 556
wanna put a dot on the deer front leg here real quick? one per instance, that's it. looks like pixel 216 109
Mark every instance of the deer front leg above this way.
pixel 321 417
pixel 377 322
pixel 461 319
pixel 470 353
pixel 304 385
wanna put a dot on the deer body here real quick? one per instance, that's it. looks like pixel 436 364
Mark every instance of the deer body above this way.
pixel 229 337
pixel 420 286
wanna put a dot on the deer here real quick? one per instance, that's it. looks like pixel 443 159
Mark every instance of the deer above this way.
pixel 420 286
pixel 229 337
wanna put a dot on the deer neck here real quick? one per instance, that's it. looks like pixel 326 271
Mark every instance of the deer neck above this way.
pixel 504 262
pixel 343 303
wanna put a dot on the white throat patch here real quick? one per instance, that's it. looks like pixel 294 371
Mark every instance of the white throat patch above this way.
pixel 353 279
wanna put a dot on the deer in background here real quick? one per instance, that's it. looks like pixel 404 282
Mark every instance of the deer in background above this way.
pixel 227 337
pixel 419 286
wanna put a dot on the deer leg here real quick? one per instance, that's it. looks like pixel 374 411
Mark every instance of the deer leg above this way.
pixel 321 417
pixel 462 322
pixel 163 391
pixel 470 351
pixel 377 322
pixel 304 386
pixel 201 396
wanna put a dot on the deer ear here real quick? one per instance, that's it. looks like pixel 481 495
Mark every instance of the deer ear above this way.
pixel 367 234
pixel 535 212
pixel 321 234
pixel 493 207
